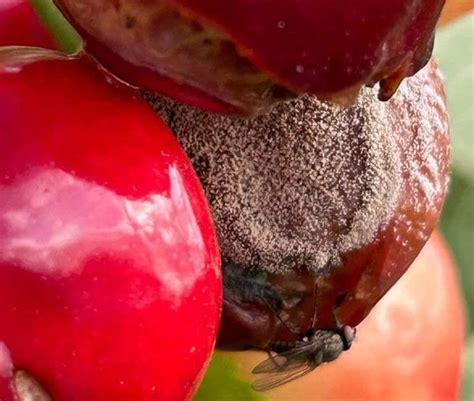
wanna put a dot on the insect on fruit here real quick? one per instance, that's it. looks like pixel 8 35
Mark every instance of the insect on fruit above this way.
pixel 302 357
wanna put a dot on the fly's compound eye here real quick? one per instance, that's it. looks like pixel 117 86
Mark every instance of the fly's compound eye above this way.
pixel 348 335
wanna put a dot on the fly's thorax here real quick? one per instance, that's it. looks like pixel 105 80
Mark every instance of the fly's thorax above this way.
pixel 328 343
pixel 332 347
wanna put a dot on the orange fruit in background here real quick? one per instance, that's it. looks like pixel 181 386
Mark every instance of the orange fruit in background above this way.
pixel 408 349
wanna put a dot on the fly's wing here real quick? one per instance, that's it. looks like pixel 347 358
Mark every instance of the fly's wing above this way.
pixel 288 360
pixel 275 363
pixel 277 379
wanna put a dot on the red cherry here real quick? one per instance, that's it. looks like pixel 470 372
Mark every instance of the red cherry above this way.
pixel 19 25
pixel 250 54
pixel 109 268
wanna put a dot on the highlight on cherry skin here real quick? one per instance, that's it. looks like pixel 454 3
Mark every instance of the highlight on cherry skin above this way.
pixel 244 58
pixel 109 267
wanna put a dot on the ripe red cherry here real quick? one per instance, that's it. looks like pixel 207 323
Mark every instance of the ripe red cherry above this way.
pixel 109 269
pixel 247 55
pixel 19 25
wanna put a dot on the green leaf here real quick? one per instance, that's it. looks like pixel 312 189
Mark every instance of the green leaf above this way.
pixel 64 34
pixel 455 51
pixel 458 226
pixel 223 383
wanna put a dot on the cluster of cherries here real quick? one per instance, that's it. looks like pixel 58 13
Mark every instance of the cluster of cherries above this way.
pixel 110 269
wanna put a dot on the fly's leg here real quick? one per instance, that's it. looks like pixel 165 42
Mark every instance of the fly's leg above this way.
pixel 272 358
pixel 245 286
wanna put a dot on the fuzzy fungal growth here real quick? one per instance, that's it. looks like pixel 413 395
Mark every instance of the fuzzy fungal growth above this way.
pixel 333 203
pixel 296 188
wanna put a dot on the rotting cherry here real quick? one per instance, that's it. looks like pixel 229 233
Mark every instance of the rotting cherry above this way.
pixel 241 57
pixel 319 209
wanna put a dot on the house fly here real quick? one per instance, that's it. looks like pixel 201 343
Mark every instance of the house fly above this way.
pixel 301 357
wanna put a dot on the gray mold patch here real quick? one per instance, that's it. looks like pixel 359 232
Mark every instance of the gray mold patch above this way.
pixel 298 187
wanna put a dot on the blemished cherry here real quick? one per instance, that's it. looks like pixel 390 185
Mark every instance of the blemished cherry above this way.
pixel 319 209
pixel 242 57
pixel 110 283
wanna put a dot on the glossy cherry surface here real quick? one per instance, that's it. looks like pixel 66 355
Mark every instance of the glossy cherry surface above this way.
pixel 109 268
pixel 19 25
pixel 327 46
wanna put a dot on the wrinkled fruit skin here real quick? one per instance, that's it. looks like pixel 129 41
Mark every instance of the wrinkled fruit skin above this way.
pixel 410 347
pixel 243 57
pixel 250 170
pixel 110 286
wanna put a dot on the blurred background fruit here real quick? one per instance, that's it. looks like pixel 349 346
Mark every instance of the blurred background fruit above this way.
pixel 455 52
pixel 453 9
pixel 19 25
pixel 408 349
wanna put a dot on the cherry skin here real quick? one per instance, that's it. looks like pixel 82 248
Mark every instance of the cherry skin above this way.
pixel 251 54
pixel 20 26
pixel 110 284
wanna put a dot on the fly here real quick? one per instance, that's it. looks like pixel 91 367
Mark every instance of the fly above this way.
pixel 302 357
